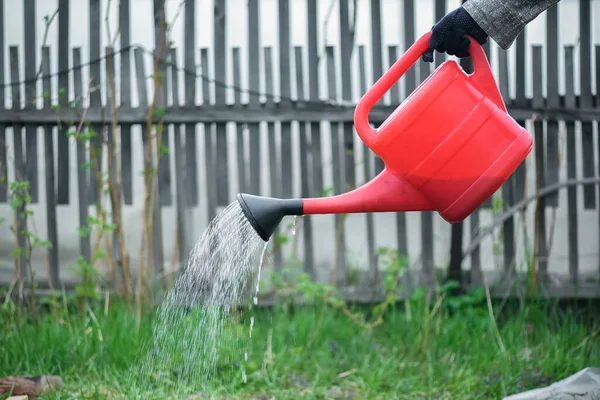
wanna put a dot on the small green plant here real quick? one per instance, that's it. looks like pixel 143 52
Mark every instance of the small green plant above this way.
pixel 26 240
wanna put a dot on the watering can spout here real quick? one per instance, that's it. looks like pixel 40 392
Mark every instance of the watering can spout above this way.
pixel 265 213
pixel 385 193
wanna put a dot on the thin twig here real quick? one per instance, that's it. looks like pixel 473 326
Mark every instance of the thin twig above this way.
pixel 45 39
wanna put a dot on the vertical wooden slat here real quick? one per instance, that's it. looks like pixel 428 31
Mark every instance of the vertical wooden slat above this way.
pixel 241 159
pixel 125 101
pixel 31 142
pixel 395 89
pixel 598 106
pixel 3 164
pixel 347 44
pixel 347 147
pixel 305 179
pixel 508 188
pixel 572 218
pixel 553 101
pixel 338 185
pixel 274 166
pixel 63 168
pixel 409 18
pixel 313 76
pixel 440 12
pixel 83 173
pixel 254 99
pixel 427 246
pixel 586 100
pixel 19 164
pixel 95 145
pixel 161 51
pixel 540 212
pixel 222 156
pixel 401 234
pixel 368 170
pixel 51 222
pixel 313 94
pixel 377 67
pixel 210 162
pixel 180 156
pixel 191 162
pixel 285 93
pixel 520 100
pixel 109 64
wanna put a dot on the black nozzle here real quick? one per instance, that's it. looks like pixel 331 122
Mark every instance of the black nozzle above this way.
pixel 265 213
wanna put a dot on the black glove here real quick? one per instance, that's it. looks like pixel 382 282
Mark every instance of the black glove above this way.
pixel 449 35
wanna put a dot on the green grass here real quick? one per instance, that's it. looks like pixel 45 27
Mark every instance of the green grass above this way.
pixel 315 353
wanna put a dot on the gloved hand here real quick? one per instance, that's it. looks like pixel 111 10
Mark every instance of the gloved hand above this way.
pixel 449 35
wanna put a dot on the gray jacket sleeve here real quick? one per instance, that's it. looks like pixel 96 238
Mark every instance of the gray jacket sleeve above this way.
pixel 504 20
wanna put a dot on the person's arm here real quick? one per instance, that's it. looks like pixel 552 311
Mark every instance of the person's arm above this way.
pixel 504 20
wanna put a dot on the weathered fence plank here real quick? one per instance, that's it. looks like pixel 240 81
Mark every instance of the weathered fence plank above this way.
pixel 509 187
pixel 210 158
pixel 305 175
pixel 368 171
pixel 572 198
pixel 540 211
pixel 401 234
pixel 598 105
pixel 274 165
pixel 3 144
pixel 520 184
pixel 552 155
pixel 440 12
pixel 83 166
pixel 586 100
pixel 220 61
pixel 52 226
pixel 410 78
pixel 63 175
pixel 253 98
pixel 19 164
pixel 181 178
pixel 346 47
pixel 377 60
pixel 96 147
pixel 242 167
pixel 339 265
pixel 161 51
pixel 313 87
pixel 191 161
pixel 125 101
pixel 31 142
pixel 285 96
pixel 309 112
pixel 427 245
pixel 316 187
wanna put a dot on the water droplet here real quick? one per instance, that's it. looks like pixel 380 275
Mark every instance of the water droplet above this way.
pixel 246 356
pixel 244 377
pixel 255 300
pixel 294 226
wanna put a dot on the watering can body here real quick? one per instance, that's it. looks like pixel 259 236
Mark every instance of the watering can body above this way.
pixel 452 139
pixel 447 148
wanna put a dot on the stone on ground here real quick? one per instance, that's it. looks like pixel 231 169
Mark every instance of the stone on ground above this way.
pixel 584 385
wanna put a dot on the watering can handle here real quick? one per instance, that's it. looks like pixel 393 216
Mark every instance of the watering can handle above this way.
pixel 482 77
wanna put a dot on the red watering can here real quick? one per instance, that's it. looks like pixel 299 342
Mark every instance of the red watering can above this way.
pixel 447 148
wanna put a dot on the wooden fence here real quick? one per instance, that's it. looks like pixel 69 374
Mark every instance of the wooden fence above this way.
pixel 299 105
